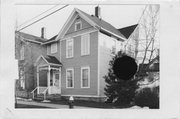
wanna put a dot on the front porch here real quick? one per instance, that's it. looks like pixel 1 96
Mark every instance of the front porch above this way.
pixel 48 76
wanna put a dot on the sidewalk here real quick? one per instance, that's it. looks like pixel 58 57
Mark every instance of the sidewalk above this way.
pixel 50 105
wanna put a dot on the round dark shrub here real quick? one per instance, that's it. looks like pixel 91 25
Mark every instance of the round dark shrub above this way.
pixel 147 97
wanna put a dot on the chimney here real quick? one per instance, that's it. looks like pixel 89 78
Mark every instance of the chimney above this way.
pixel 97 11
pixel 43 32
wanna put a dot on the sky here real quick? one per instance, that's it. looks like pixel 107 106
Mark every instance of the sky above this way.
pixel 117 15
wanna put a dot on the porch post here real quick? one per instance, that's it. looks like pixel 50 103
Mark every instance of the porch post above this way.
pixel 48 80
pixel 60 79
pixel 37 80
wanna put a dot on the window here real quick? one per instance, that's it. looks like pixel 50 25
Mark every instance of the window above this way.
pixel 78 25
pixel 85 44
pixel 22 53
pixel 85 77
pixel 53 47
pixel 69 48
pixel 69 78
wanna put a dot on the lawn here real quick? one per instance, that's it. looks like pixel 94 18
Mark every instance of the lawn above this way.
pixel 91 104
pixel 28 106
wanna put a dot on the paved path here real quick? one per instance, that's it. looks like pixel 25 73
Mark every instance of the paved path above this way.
pixel 50 105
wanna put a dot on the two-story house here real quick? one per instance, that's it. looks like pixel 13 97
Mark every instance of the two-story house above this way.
pixel 77 58
pixel 27 50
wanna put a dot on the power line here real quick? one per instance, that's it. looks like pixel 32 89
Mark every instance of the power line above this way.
pixel 42 18
pixel 37 15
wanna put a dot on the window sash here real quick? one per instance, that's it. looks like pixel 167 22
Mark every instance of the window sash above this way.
pixel 85 77
pixel 85 44
pixel 54 48
pixel 69 78
pixel 22 53
pixel 78 25
pixel 69 48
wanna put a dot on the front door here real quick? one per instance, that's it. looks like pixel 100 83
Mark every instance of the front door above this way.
pixel 55 83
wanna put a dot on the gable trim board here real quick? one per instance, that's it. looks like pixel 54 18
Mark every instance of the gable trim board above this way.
pixel 41 56
pixel 61 33
pixel 37 60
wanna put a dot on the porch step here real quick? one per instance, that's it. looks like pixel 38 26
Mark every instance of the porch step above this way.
pixel 39 97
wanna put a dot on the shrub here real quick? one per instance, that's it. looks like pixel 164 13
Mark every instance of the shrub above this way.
pixel 147 97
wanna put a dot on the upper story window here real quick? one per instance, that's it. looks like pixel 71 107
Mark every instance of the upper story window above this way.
pixel 69 78
pixel 85 44
pixel 53 47
pixel 22 53
pixel 78 25
pixel 69 48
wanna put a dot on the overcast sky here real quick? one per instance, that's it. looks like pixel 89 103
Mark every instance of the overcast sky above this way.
pixel 117 15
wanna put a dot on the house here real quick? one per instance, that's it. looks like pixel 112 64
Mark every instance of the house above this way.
pixel 27 50
pixel 130 46
pixel 74 62
pixel 150 75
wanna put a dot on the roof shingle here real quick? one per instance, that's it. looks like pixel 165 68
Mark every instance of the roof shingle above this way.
pixel 52 59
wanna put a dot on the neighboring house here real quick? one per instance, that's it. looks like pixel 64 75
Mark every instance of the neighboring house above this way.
pixel 130 46
pixel 27 50
pixel 150 74
pixel 75 61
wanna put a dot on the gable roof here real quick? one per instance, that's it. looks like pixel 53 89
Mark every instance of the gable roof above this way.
pixel 49 60
pixel 52 59
pixel 127 31
pixel 31 38
pixel 103 24
pixel 99 24
pixel 51 39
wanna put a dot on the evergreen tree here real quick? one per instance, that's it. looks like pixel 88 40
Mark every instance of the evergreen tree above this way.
pixel 117 90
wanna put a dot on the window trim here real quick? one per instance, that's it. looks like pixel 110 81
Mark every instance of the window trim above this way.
pixel 78 22
pixel 22 53
pixel 88 53
pixel 54 46
pixel 82 68
pixel 70 39
pixel 70 69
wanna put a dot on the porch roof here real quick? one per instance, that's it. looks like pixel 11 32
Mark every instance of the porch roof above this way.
pixel 52 59
pixel 48 60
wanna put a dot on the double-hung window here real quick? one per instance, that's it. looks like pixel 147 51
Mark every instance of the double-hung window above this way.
pixel 85 44
pixel 78 25
pixel 22 53
pixel 85 77
pixel 69 78
pixel 69 48
pixel 53 47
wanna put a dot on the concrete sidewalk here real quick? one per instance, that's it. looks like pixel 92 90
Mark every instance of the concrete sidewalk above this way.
pixel 50 105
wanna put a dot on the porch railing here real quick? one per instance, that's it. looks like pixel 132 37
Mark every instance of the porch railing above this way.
pixel 34 91
pixel 44 92
pixel 40 90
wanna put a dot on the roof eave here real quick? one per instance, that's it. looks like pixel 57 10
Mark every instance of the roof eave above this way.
pixel 120 37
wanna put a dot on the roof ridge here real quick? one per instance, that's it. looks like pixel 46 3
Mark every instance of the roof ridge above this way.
pixel 100 22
